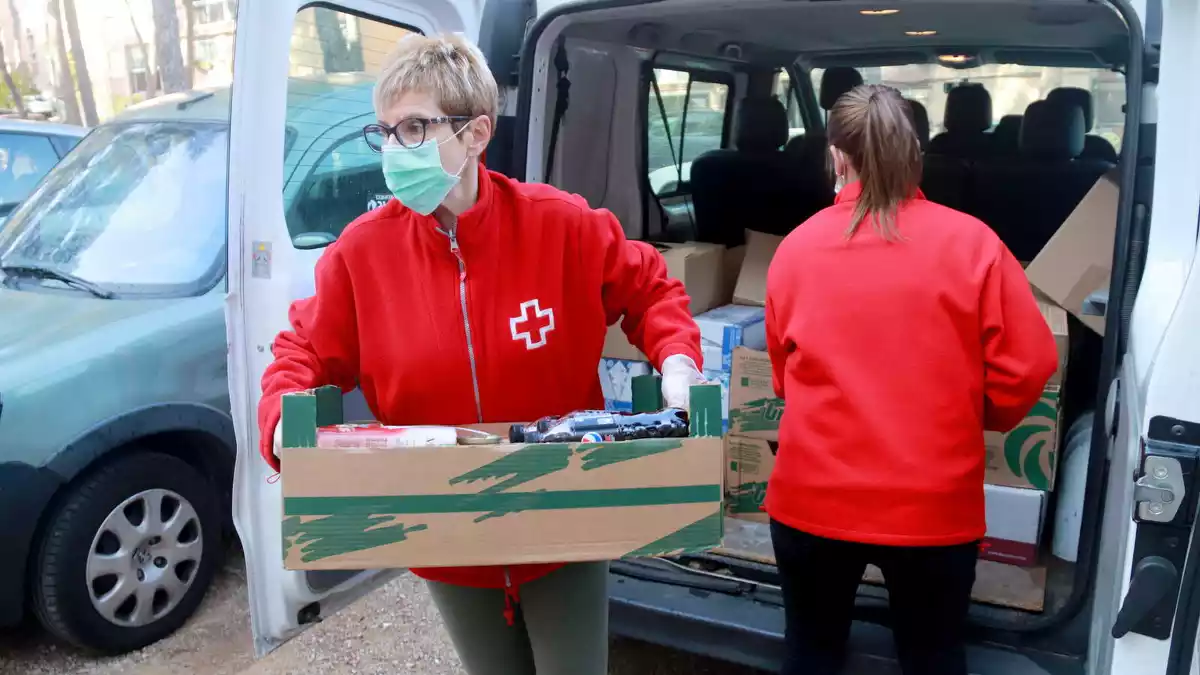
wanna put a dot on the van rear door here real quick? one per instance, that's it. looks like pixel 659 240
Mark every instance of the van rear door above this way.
pixel 299 171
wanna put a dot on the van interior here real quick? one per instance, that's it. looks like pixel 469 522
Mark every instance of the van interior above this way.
pixel 695 120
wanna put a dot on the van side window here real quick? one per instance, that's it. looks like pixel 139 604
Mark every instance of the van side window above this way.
pixel 687 115
pixel 331 176
pixel 784 91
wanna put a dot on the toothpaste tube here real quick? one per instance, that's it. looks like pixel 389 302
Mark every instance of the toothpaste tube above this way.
pixel 379 436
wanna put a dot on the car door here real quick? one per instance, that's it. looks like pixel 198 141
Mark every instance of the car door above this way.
pixel 302 79
pixel 1146 599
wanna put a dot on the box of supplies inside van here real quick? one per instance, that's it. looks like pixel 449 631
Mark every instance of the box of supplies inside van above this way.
pixel 495 504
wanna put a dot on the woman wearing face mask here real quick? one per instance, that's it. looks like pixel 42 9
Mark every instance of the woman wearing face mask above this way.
pixel 471 297
pixel 899 330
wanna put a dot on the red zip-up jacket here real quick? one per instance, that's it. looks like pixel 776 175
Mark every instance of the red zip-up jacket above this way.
pixel 499 319
pixel 892 358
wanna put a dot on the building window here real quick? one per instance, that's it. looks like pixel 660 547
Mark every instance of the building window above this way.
pixel 139 72
pixel 214 11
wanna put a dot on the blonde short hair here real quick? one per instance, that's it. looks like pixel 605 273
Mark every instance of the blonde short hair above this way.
pixel 447 67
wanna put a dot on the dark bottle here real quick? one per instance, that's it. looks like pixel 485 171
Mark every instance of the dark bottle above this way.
pixel 595 426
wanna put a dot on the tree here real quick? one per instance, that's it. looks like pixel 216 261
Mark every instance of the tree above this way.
pixel 339 55
pixel 17 102
pixel 189 13
pixel 66 83
pixel 83 80
pixel 166 46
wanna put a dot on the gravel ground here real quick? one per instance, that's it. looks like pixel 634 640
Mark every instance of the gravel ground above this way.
pixel 393 630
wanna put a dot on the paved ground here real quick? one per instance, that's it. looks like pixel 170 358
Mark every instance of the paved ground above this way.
pixel 393 630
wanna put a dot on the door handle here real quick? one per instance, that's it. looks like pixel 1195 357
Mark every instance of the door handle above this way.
pixel 1153 578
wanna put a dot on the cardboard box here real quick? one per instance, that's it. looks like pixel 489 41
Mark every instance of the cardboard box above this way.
pixel 1077 260
pixel 720 378
pixel 1014 525
pixel 1027 456
pixel 754 410
pixel 748 466
pixel 616 381
pixel 495 504
pixel 703 269
pixel 751 288
pixel 1056 318
pixel 726 328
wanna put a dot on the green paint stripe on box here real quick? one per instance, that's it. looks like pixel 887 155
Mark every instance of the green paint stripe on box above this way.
pixel 501 502
pixel 700 535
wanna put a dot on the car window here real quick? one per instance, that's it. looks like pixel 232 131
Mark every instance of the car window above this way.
pixel 686 117
pixel 1012 87
pixel 63 144
pixel 24 160
pixel 784 91
pixel 137 208
pixel 331 175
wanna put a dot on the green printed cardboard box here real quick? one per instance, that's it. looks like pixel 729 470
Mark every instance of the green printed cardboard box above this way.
pixel 1027 456
pixel 503 504
pixel 748 465
pixel 754 410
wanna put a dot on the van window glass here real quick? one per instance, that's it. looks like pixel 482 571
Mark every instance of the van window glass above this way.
pixel 784 91
pixel 686 117
pixel 1013 88
pixel 24 159
pixel 331 176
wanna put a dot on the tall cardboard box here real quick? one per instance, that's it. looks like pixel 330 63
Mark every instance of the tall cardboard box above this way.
pixel 748 466
pixel 1077 260
pixel 754 410
pixel 466 505
pixel 703 269
pixel 751 288
pixel 1014 524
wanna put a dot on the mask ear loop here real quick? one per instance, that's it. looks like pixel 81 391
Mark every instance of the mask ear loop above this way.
pixel 457 174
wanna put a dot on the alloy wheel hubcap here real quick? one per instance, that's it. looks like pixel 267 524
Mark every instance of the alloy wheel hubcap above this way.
pixel 144 558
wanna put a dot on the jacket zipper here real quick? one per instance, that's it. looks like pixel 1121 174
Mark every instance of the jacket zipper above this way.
pixel 452 235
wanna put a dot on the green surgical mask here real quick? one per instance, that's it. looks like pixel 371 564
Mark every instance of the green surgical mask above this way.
pixel 415 175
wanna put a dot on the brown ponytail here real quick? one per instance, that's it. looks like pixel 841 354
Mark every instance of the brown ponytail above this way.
pixel 872 125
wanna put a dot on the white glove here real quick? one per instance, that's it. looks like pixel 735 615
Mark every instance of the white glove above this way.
pixel 679 373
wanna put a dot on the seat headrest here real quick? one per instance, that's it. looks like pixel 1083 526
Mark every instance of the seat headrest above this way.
pixel 1052 131
pixel 968 109
pixel 835 82
pixel 762 125
pixel 1075 96
pixel 920 120
pixel 1007 134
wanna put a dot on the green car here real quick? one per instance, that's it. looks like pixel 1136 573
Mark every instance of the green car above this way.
pixel 116 443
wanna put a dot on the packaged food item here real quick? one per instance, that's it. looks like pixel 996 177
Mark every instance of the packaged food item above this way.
pixel 597 426
pixel 379 436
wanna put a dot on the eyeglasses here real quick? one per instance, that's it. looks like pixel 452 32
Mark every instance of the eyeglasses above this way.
pixel 409 132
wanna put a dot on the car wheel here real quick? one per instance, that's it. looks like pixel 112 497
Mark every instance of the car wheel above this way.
pixel 128 554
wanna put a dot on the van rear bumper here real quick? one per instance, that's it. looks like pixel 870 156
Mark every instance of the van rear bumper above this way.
pixel 739 622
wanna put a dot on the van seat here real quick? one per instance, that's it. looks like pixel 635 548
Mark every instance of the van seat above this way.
pixel 1026 198
pixel 1094 147
pixel 920 120
pixel 757 186
pixel 968 116
pixel 1006 137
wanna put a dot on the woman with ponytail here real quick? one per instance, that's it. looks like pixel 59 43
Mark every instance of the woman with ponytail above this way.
pixel 899 330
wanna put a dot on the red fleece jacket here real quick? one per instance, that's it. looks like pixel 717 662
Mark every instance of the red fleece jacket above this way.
pixel 892 358
pixel 511 333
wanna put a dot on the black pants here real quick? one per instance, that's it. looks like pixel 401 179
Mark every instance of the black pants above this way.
pixel 929 589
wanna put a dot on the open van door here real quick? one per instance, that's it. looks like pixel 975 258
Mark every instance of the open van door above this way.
pixel 1147 593
pixel 299 172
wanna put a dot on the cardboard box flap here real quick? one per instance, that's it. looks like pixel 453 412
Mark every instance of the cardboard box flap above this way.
pixel 1077 260
pixel 751 288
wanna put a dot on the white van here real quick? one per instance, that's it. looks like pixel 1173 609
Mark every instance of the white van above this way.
pixel 1129 603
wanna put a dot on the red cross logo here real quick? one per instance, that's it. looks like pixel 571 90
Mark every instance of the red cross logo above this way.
pixel 532 319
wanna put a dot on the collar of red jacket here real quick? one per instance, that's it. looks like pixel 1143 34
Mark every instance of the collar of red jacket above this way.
pixel 851 191
pixel 472 222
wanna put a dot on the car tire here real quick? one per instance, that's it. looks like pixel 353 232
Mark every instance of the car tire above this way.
pixel 87 561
